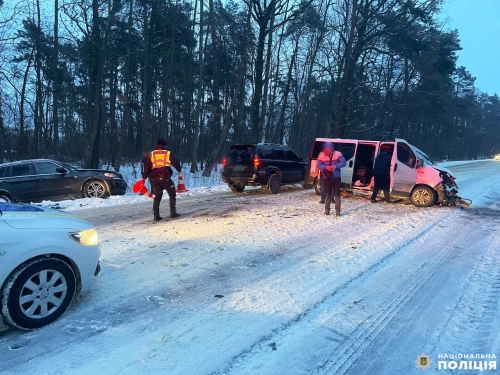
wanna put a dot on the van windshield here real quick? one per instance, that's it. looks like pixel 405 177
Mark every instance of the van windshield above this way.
pixel 423 156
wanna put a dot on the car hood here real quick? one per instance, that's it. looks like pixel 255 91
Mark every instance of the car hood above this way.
pixel 23 216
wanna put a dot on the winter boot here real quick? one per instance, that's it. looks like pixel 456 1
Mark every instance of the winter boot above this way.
pixel 337 206
pixel 327 205
pixel 173 212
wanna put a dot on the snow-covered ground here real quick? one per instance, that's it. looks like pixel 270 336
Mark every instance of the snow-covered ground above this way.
pixel 265 284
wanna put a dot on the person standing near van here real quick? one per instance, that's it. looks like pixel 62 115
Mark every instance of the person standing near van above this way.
pixel 329 163
pixel 382 173
pixel 321 185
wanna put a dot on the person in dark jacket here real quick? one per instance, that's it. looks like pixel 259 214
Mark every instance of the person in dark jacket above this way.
pixel 157 169
pixel 382 173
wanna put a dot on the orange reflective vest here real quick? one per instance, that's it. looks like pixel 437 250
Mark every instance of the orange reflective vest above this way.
pixel 160 158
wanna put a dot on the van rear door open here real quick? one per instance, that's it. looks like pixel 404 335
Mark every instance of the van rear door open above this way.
pixel 348 149
pixel 403 169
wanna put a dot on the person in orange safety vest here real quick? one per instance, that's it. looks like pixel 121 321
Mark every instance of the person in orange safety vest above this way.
pixel 158 169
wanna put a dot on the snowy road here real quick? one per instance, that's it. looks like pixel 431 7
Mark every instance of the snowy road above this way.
pixel 263 284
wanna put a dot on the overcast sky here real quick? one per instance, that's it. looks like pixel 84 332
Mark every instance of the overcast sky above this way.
pixel 478 23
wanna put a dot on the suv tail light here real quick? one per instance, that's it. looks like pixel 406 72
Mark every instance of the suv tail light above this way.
pixel 224 162
pixel 256 161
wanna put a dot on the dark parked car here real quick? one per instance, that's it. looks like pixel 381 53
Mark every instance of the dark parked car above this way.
pixel 263 164
pixel 42 179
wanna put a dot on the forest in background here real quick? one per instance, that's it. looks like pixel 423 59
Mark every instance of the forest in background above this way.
pixel 98 81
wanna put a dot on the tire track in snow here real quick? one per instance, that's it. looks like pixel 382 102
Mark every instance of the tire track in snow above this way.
pixel 373 269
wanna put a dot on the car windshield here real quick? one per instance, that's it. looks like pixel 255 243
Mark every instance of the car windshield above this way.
pixel 67 166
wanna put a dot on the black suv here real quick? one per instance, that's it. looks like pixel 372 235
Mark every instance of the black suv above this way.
pixel 36 180
pixel 263 164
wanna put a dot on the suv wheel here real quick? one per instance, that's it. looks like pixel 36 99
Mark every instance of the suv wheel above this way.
pixel 4 198
pixel 236 188
pixel 274 183
pixel 317 185
pixel 95 189
pixel 423 196
pixel 38 293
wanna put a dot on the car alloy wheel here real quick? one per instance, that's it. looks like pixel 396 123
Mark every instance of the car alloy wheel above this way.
pixel 423 196
pixel 38 293
pixel 42 294
pixel 95 189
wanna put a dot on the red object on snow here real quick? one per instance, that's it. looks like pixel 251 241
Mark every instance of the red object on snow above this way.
pixel 140 188
pixel 181 188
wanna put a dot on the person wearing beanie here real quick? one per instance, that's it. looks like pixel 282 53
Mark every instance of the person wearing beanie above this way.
pixel 382 173
pixel 330 163
pixel 157 169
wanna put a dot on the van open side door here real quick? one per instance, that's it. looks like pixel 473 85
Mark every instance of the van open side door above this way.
pixel 403 169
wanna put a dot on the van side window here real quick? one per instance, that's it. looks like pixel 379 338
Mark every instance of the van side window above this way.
pixel 406 155
pixel 347 149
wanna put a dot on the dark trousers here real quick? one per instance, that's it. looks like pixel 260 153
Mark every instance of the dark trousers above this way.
pixel 332 189
pixel 322 189
pixel 382 182
pixel 160 184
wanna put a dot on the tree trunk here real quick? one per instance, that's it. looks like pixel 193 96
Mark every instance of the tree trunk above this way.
pixel 57 85
pixel 194 151
pixel 344 83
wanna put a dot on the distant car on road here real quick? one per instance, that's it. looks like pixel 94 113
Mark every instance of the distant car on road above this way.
pixel 497 157
pixel 264 164
pixel 44 179
pixel 46 258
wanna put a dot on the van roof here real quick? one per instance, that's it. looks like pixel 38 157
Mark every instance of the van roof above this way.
pixel 347 139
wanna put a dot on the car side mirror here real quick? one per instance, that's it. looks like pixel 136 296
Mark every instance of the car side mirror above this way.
pixel 61 170
pixel 420 163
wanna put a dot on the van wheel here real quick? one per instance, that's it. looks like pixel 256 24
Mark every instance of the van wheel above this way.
pixel 38 293
pixel 423 196
pixel 317 185
pixel 236 188
pixel 274 183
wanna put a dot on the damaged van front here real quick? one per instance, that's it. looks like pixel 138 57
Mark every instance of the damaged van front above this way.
pixel 440 179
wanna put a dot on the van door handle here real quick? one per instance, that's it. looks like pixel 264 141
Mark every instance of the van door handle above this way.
pixel 350 164
pixel 395 167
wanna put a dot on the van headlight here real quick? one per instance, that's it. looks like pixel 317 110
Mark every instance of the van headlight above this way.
pixel 85 237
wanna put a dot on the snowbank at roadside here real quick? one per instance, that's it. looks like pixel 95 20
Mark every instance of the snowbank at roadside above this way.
pixel 460 162
pixel 84 203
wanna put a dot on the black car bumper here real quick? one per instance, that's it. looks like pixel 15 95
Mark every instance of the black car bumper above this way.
pixel 117 186
pixel 256 179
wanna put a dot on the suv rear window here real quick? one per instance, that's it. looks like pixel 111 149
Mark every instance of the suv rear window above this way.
pixel 240 154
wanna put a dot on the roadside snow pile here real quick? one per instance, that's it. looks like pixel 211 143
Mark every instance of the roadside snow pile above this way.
pixel 195 182
pixel 115 200
pixel 447 164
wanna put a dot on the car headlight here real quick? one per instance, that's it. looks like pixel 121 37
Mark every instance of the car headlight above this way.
pixel 85 237
pixel 111 175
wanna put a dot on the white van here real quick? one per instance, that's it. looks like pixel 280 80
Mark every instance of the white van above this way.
pixel 413 174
